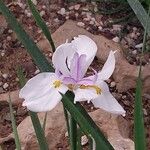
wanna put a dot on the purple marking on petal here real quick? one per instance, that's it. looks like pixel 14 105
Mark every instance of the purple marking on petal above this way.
pixel 77 66
pixel 69 80
pixel 89 80
pixel 58 73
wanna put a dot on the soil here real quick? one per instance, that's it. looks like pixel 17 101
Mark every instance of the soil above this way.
pixel 13 54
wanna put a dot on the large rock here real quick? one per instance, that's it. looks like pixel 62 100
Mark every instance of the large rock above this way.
pixel 115 128
pixel 125 74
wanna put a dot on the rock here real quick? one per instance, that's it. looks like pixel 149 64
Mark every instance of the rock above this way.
pixel 115 128
pixel 5 85
pixel 3 24
pixel 139 45
pixel 76 7
pixel 62 11
pixel 112 84
pixel 116 39
pixel 124 75
pixel 14 97
pixel 80 24
pixel 42 13
pixel 5 76
pixel 84 140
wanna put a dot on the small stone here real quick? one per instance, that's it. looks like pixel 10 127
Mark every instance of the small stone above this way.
pixel 116 39
pixel 34 2
pixel 5 85
pixel 124 97
pixel 29 14
pixel 42 13
pixel 134 52
pixel 92 22
pixel 10 31
pixel 2 54
pixel 62 11
pixel 37 71
pixel 112 84
pixel 80 24
pixel 66 134
pixel 108 80
pixel 145 111
pixel 139 45
pixel 117 27
pixel 86 19
pixel 84 140
pixel 8 38
pixel 1 83
pixel 100 28
pixel 5 76
pixel 134 29
pixel 71 7
pixel 56 20
pixel 76 7
pixel 44 7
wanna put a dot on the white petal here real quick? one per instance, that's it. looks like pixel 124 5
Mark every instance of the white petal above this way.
pixel 107 102
pixel 62 54
pixel 84 94
pixel 108 67
pixel 87 46
pixel 45 102
pixel 37 85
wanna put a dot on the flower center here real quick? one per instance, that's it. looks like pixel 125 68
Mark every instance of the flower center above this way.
pixel 57 84
pixel 97 89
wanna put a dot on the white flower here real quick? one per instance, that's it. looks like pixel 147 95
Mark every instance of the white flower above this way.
pixel 71 61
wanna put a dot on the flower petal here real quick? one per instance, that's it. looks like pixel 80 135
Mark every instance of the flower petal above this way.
pixel 87 46
pixel 37 85
pixel 84 94
pixel 45 102
pixel 62 56
pixel 107 102
pixel 108 67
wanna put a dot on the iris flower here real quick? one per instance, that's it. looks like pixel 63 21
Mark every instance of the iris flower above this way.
pixel 71 61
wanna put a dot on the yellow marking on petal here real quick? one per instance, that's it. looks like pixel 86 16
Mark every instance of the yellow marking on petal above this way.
pixel 57 84
pixel 97 89
pixel 70 86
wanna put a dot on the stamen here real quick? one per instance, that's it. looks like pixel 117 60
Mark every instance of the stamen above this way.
pixel 97 89
pixel 57 84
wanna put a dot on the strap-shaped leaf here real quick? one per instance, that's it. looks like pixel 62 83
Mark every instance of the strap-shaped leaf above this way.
pixel 41 24
pixel 140 13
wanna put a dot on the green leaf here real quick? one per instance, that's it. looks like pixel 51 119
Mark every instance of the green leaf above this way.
pixel 85 122
pixel 41 24
pixel 14 126
pixel 139 131
pixel 140 13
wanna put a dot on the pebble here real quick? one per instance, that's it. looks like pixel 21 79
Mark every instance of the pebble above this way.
pixel 62 11
pixel 56 20
pixel 42 13
pixel 37 71
pixel 116 39
pixel 44 7
pixel 34 2
pixel 29 14
pixel 5 76
pixel 2 54
pixel 124 97
pixel 8 38
pixel 5 85
pixel 145 111
pixel 66 134
pixel 84 140
pixel 112 84
pixel 117 27
pixel 10 31
pixel 76 7
pixel 134 52
pixel 139 45
pixel 100 28
pixel 1 83
pixel 92 22
pixel 71 7
pixel 80 24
